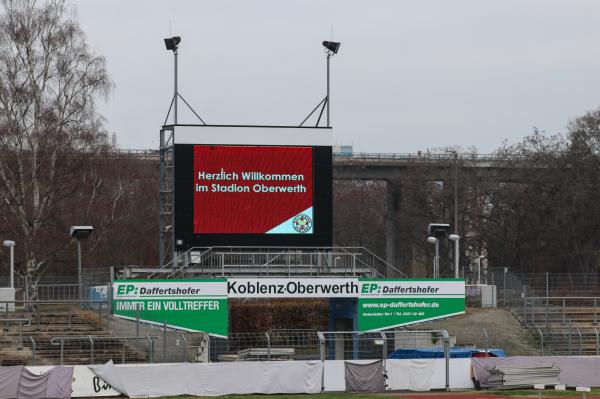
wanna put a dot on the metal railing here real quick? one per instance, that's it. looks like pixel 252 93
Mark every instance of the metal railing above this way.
pixel 153 154
pixel 95 341
pixel 275 261
pixel 565 325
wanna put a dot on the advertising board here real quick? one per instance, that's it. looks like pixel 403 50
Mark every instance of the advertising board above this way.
pixel 201 305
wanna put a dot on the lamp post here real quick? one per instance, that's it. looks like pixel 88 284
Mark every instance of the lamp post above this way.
pixel 436 231
pixel 80 233
pixel 455 238
pixel 436 258
pixel 11 244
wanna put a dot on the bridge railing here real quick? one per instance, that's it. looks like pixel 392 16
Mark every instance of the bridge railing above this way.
pixel 422 157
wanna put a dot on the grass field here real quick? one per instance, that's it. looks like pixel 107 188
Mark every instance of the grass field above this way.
pixel 595 394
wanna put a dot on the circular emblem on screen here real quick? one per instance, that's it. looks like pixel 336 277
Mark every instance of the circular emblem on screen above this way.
pixel 302 223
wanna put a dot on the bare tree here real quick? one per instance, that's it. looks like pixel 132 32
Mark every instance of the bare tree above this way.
pixel 49 128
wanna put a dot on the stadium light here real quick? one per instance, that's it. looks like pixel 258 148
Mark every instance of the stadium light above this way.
pixel 172 43
pixel 80 233
pixel 11 244
pixel 332 47
pixel 455 238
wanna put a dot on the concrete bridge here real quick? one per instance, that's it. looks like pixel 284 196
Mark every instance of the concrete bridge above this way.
pixel 396 169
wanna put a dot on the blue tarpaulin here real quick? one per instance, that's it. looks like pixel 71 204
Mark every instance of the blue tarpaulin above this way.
pixel 438 353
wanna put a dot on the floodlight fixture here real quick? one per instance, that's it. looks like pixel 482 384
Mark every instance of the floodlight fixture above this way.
pixel 172 43
pixel 332 47
pixel 80 232
pixel 431 240
pixel 438 230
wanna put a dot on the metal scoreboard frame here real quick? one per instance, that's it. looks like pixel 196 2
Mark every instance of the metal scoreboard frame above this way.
pixel 176 234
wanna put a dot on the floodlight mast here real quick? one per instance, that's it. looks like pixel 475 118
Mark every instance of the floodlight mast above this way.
pixel 172 44
pixel 331 48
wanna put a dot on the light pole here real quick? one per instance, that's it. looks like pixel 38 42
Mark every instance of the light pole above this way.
pixel 80 233
pixel 436 258
pixel 455 238
pixel 435 231
pixel 172 44
pixel 331 49
pixel 11 244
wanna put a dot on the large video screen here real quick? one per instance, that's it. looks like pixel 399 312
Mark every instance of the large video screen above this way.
pixel 252 195
pixel 253 190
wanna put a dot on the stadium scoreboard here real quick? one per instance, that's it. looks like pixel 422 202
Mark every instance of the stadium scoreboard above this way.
pixel 252 186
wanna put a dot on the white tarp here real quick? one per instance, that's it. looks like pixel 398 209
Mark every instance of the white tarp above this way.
pixel 412 375
pixel 213 379
pixel 460 374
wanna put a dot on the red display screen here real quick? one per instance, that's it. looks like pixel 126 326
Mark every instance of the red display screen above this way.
pixel 253 190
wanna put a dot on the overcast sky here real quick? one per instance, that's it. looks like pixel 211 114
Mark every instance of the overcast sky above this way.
pixel 410 75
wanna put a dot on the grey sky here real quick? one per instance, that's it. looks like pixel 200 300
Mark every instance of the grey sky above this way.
pixel 409 75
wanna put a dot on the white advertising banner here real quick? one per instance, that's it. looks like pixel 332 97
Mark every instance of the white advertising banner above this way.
pixel 293 287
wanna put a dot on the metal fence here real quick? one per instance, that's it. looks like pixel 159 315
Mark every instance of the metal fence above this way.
pixel 513 287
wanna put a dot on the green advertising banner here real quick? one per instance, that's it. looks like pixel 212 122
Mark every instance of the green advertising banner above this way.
pixel 201 305
pixel 388 303
pixel 192 305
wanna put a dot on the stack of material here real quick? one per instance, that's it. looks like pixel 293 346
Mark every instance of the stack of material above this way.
pixel 508 377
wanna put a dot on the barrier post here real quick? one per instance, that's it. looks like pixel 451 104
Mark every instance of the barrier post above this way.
pixel 150 349
pixel 447 357
pixel 62 347
pixel 504 288
pixel 569 328
pixel 564 311
pixel 268 346
pixel 384 346
pixel 579 333
pixel 137 325
pixel 91 349
pixel 185 347
pixel 32 350
pixel 597 341
pixel 20 335
pixel 595 312
pixel 487 340
pixel 541 342
pixel 164 341
pixel 322 357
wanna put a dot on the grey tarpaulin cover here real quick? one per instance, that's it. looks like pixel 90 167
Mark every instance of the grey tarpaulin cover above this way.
pixel 414 375
pixel 575 371
pixel 212 379
pixel 365 377
pixel 18 382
